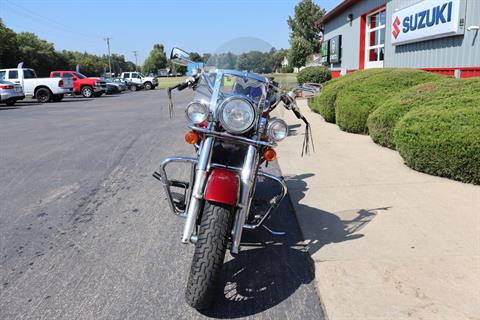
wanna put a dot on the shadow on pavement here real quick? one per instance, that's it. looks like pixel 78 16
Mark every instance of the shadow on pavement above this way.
pixel 321 227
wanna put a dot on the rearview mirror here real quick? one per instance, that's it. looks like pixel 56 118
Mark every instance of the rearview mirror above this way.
pixel 180 57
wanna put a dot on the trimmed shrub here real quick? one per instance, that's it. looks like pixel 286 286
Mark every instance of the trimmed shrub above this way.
pixel 358 99
pixel 382 121
pixel 314 74
pixel 286 69
pixel 441 136
pixel 325 102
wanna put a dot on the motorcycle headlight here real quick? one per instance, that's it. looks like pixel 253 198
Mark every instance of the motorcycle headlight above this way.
pixel 196 112
pixel 277 130
pixel 237 115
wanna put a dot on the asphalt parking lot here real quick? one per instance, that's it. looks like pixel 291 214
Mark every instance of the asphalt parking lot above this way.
pixel 85 231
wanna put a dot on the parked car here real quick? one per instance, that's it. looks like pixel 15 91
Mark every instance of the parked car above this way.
pixel 43 89
pixel 114 87
pixel 86 86
pixel 133 86
pixel 138 78
pixel 163 73
pixel 10 92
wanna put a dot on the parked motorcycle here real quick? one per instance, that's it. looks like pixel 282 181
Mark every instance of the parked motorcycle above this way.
pixel 233 134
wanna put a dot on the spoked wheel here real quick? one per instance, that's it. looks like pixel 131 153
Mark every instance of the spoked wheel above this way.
pixel 87 92
pixel 209 253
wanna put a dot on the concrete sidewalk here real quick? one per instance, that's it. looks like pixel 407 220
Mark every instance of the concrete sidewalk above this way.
pixel 388 242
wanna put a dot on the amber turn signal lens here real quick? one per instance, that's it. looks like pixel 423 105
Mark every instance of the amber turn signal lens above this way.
pixel 269 154
pixel 191 137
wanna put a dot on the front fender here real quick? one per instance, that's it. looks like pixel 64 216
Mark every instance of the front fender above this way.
pixel 223 186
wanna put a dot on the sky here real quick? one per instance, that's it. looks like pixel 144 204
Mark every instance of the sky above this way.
pixel 136 25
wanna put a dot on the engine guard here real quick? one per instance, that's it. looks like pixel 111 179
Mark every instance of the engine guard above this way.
pixel 221 179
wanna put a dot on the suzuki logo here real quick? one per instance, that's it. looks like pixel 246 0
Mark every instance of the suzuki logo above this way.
pixel 396 29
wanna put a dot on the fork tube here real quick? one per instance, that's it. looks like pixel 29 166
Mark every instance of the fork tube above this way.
pixel 198 188
pixel 247 181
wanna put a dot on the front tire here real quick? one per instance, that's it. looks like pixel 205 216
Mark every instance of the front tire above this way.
pixel 148 86
pixel 87 92
pixel 133 87
pixel 10 103
pixel 209 254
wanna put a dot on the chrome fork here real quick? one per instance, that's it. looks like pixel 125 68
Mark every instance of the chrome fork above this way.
pixel 247 181
pixel 198 189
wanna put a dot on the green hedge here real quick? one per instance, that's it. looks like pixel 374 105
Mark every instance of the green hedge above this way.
pixel 355 102
pixel 326 101
pixel 314 74
pixel 382 121
pixel 441 133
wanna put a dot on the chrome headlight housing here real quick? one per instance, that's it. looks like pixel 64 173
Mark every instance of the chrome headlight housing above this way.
pixel 236 115
pixel 196 112
pixel 277 130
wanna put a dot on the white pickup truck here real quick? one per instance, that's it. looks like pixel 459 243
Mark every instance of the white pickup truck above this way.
pixel 43 89
pixel 138 78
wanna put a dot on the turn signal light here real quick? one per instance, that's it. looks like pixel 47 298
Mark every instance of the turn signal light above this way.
pixel 269 154
pixel 191 137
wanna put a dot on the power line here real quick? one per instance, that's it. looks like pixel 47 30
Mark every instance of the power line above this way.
pixel 45 21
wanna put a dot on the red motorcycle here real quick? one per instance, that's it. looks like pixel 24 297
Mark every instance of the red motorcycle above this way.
pixel 233 135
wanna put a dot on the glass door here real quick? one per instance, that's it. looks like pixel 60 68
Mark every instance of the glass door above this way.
pixel 375 39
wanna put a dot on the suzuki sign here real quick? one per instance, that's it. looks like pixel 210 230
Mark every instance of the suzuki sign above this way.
pixel 428 19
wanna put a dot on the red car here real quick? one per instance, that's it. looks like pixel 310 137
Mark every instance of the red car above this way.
pixel 83 85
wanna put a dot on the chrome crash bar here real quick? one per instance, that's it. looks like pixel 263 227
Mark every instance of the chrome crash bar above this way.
pixel 162 176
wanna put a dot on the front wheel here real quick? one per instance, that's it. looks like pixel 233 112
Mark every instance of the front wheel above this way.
pixel 133 87
pixel 87 92
pixel 209 253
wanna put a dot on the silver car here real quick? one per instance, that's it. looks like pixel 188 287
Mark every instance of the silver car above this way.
pixel 10 92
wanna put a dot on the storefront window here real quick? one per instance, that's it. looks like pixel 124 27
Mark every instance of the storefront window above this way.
pixel 375 46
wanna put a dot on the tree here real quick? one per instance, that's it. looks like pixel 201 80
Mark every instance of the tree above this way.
pixel 299 51
pixel 35 52
pixel 206 57
pixel 278 57
pixel 307 14
pixel 243 62
pixel 195 57
pixel 8 47
pixel 156 60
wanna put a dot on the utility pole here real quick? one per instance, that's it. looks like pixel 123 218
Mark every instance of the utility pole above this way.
pixel 135 53
pixel 109 61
